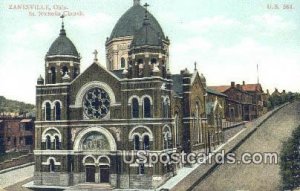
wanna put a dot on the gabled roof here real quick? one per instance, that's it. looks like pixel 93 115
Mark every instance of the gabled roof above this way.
pixel 212 91
pixel 96 64
pixel 118 73
pixel 221 89
pixel 251 87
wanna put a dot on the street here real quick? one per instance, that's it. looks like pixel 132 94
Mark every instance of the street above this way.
pixel 15 176
pixel 268 138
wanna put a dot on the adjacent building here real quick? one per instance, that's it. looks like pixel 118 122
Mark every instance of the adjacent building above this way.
pixel 256 91
pixel 240 105
pixel 16 134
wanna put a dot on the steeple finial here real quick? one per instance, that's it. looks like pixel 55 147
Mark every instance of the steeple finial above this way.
pixel 195 64
pixel 136 2
pixel 62 30
pixel 146 14
pixel 96 55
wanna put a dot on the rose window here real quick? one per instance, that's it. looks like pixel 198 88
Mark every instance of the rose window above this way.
pixel 96 103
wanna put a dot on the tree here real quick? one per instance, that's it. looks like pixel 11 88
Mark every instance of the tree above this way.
pixel 290 161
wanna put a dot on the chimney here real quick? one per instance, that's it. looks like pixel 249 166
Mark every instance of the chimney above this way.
pixel 244 83
pixel 232 84
pixel 238 86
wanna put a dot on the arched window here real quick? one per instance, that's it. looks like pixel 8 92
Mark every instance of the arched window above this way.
pixel 141 169
pixel 140 68
pixel 164 69
pixel 147 107
pixel 76 72
pixel 57 111
pixel 140 61
pixel 146 142
pixel 65 70
pixel 176 129
pixel 53 75
pixel 136 142
pixel 153 61
pixel 165 106
pixel 165 141
pixel 48 111
pixel 194 128
pixel 135 108
pixel 51 165
pixel 48 142
pixel 57 143
pixel 123 63
pixel 199 134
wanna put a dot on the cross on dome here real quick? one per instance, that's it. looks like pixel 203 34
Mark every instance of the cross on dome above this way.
pixel 62 30
pixel 146 20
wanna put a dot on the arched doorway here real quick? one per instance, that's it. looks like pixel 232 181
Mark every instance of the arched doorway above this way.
pixel 104 167
pixel 104 173
pixel 95 141
pixel 90 171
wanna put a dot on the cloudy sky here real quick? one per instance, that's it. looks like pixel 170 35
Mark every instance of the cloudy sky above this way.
pixel 226 38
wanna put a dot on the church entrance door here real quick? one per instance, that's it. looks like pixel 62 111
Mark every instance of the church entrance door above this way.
pixel 104 174
pixel 90 173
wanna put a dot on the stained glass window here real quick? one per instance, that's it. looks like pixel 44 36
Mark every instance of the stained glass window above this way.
pixel 96 103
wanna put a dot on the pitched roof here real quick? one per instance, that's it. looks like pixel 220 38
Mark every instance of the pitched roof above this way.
pixel 219 88
pixel 118 73
pixel 251 87
pixel 212 91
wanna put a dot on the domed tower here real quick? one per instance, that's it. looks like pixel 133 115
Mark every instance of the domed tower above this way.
pixel 62 61
pixel 118 44
pixel 147 54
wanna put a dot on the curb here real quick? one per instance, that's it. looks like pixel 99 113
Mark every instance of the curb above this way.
pixel 16 167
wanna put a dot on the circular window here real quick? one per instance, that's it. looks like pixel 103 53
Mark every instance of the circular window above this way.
pixel 96 103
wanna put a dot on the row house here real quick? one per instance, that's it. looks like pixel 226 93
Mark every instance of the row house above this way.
pixel 240 105
pixel 16 134
pixel 256 91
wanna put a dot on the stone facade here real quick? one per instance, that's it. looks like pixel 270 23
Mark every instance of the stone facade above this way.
pixel 89 124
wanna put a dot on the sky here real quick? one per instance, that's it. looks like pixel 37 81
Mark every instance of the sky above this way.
pixel 227 39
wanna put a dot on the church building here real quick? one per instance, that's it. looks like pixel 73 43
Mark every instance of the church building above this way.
pixel 88 122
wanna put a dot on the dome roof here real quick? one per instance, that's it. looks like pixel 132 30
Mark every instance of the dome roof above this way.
pixel 147 35
pixel 132 21
pixel 62 46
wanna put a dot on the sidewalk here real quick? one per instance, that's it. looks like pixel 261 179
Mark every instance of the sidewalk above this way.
pixel 182 173
pixel 9 178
